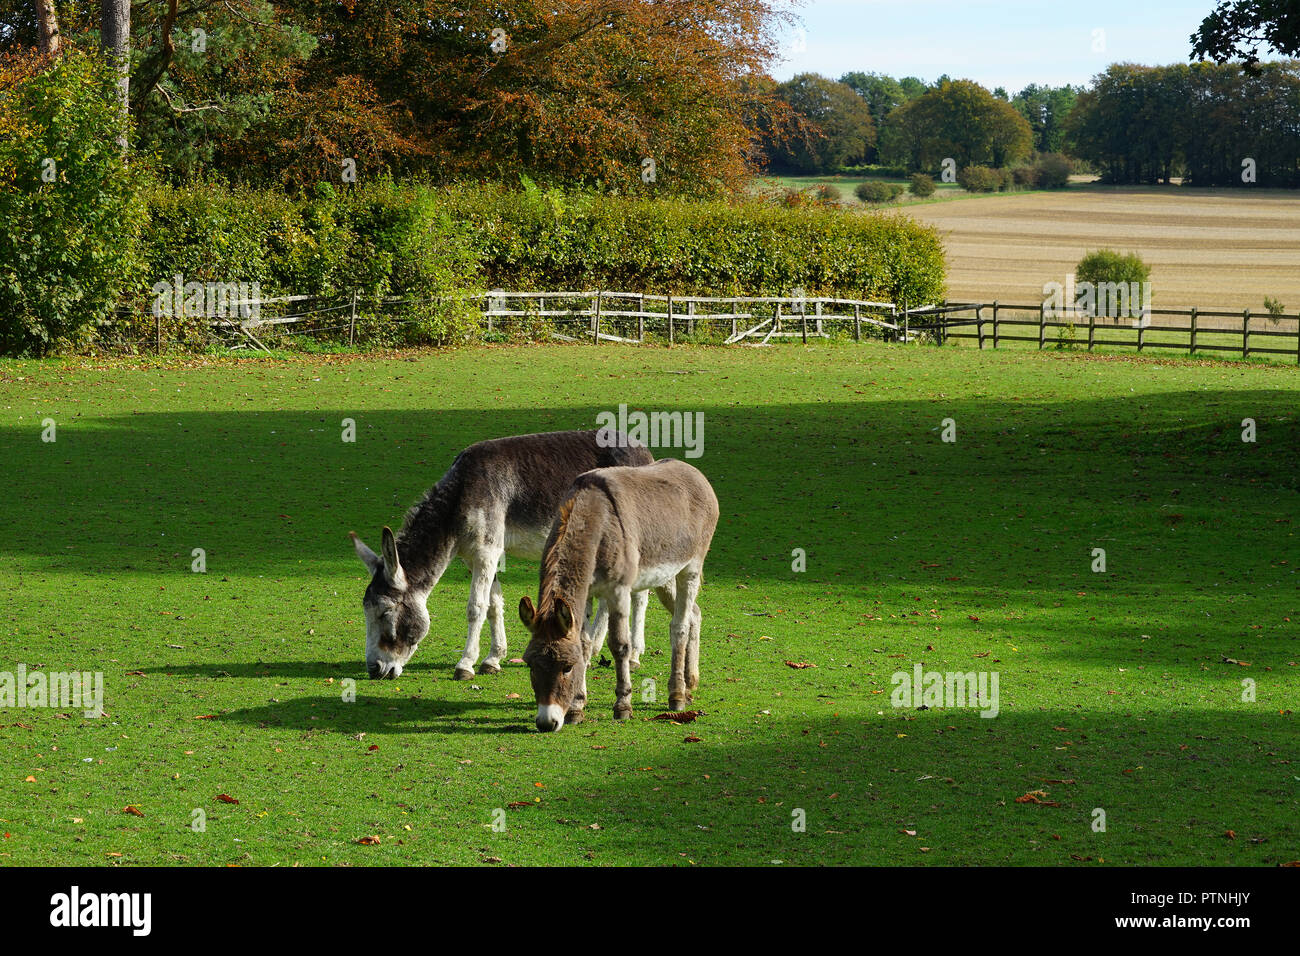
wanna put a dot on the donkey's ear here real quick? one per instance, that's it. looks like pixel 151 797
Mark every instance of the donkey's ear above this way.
pixel 564 614
pixel 371 560
pixel 392 567
pixel 527 613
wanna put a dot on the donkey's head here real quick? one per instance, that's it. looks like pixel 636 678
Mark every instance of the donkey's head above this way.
pixel 555 659
pixel 396 616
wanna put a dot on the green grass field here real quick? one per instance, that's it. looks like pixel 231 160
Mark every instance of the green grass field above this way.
pixel 1119 691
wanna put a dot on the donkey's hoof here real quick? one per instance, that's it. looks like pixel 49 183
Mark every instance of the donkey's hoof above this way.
pixel 678 703
pixel 634 663
pixel 487 668
pixel 574 717
pixel 463 673
pixel 622 713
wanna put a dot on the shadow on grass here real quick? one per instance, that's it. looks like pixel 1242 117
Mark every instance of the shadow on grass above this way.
pixel 374 716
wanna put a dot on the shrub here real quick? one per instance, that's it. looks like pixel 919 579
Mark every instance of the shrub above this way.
pixel 1106 267
pixel 829 193
pixel 980 179
pixel 1054 171
pixel 1025 176
pixel 922 185
pixel 68 207
pixel 878 192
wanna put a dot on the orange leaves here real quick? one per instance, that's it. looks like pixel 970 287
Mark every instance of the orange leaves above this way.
pixel 680 716
pixel 1039 797
pixel 226 798
pixel 799 665
pixel 368 841
pixel 133 810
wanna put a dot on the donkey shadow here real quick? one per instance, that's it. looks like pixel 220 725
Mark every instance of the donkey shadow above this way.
pixel 391 715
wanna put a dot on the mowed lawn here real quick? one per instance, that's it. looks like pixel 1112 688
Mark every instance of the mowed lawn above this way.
pixel 1120 692
pixel 1215 249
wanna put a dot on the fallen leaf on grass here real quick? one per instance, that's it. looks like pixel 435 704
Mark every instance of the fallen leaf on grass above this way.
pixel 226 798
pixel 369 841
pixel 134 811
pixel 206 717
pixel 1229 660
pixel 691 739
pixel 1039 797
pixel 679 716
pixel 799 665
pixel 1230 834
pixel 518 805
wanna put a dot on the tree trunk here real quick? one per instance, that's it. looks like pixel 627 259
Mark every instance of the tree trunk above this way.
pixel 115 38
pixel 47 24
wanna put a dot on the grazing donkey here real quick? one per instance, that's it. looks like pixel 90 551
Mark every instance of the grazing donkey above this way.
pixel 499 496
pixel 619 532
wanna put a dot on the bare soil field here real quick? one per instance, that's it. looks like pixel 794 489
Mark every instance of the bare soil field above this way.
pixel 1216 249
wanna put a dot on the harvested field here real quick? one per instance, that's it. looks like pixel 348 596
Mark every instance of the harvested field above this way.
pixel 1216 249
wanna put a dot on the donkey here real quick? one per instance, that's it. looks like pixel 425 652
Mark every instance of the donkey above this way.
pixel 498 497
pixel 619 532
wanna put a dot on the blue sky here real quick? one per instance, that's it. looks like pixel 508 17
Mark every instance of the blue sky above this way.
pixel 1009 43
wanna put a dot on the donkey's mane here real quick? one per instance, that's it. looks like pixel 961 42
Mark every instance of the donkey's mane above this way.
pixel 428 526
pixel 551 560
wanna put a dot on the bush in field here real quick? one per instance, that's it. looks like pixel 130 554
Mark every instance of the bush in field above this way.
pixel 877 192
pixel 1107 269
pixel 980 179
pixel 922 185
pixel 829 193
pixel 68 207
pixel 1026 176
pixel 1054 171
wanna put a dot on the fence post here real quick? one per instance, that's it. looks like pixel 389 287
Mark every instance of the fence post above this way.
pixel 595 322
pixel 819 316
pixel 670 319
pixel 352 322
pixel 803 315
pixel 995 323
pixel 979 324
pixel 906 323
pixel 690 320
pixel 640 318
pixel 1191 348
pixel 158 330
pixel 1141 332
pixel 1245 334
pixel 857 323
pixel 1042 324
pixel 1092 328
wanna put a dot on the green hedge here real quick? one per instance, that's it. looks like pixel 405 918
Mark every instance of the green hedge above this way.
pixel 536 241
pixel 380 240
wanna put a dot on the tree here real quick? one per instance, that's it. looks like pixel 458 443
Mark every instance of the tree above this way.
pixel 958 120
pixel 1045 108
pixel 47 25
pixel 115 37
pixel 1240 28
pixel 839 127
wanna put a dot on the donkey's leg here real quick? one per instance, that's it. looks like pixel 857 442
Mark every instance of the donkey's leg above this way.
pixel 688 585
pixel 620 645
pixel 693 650
pixel 482 572
pixel 593 632
pixel 639 601
pixel 497 623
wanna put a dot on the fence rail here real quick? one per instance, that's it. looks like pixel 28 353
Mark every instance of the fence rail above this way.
pixel 991 324
pixel 610 316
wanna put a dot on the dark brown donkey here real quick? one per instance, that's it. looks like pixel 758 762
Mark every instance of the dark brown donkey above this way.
pixel 620 531
pixel 498 497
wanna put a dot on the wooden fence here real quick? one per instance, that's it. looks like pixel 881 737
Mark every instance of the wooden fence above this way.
pixel 607 316
pixel 1189 330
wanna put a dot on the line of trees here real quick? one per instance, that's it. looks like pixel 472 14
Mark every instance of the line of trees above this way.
pixel 1210 124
